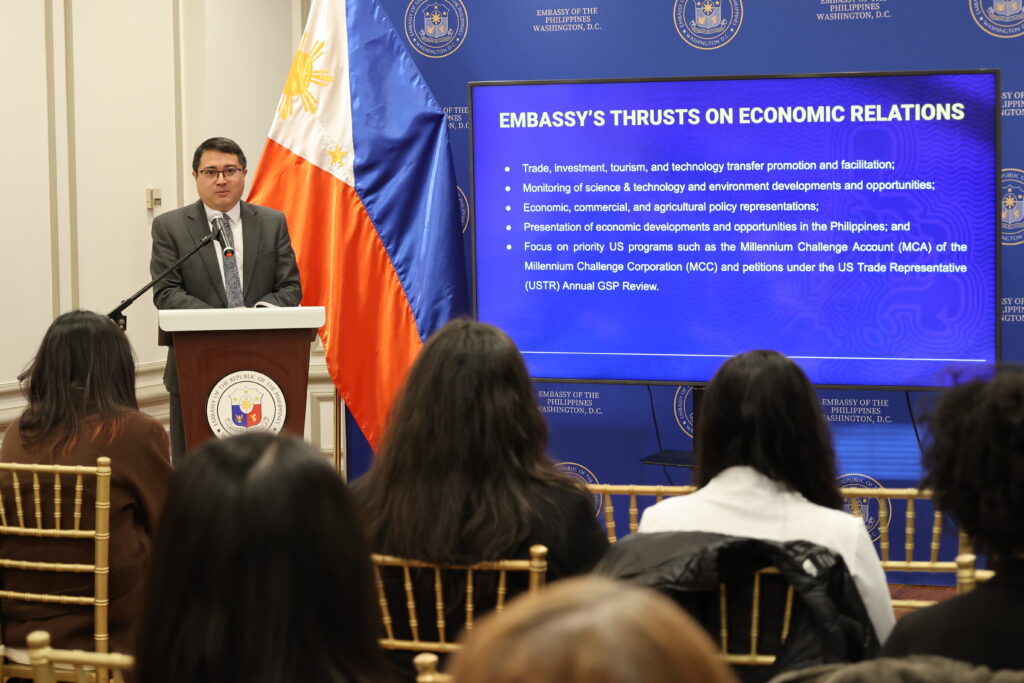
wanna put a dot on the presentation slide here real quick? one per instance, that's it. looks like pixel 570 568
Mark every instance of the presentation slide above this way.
pixel 648 230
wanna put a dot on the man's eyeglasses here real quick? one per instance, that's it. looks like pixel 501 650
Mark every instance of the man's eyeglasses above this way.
pixel 212 173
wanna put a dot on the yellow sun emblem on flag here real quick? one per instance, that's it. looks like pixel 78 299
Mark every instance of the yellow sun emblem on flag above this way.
pixel 301 77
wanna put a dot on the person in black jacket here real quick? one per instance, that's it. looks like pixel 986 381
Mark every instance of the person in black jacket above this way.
pixel 825 622
pixel 975 466
pixel 462 475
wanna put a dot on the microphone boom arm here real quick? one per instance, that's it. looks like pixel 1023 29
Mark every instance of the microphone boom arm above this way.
pixel 118 316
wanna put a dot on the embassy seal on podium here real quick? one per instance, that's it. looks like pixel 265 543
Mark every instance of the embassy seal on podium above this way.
pixel 245 401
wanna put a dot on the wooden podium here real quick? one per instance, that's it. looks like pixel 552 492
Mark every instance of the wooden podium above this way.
pixel 243 369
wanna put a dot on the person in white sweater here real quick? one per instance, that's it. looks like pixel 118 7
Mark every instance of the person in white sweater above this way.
pixel 766 470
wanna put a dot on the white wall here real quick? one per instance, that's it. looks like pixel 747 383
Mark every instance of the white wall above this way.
pixel 235 65
pixel 104 99
pixel 26 259
pixel 124 122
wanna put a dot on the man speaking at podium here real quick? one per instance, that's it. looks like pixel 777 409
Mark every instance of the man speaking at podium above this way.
pixel 251 263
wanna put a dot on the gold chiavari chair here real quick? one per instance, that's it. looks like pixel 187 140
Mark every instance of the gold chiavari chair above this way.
pixel 887 503
pixel 51 665
pixel 426 669
pixel 633 493
pixel 415 575
pixel 753 655
pixel 891 503
pixel 967 573
pixel 58 526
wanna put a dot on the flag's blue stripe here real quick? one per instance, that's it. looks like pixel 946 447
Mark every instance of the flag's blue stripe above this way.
pixel 403 168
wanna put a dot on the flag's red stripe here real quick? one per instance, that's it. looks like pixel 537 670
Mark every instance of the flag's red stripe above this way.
pixel 370 336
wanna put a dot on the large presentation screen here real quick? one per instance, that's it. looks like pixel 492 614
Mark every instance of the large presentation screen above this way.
pixel 648 230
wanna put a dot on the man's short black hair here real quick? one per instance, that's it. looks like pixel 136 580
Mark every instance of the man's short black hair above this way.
pixel 225 145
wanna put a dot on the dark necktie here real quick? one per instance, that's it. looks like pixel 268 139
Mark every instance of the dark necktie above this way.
pixel 232 283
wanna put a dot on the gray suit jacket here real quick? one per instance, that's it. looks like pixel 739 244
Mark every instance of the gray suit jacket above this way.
pixel 269 273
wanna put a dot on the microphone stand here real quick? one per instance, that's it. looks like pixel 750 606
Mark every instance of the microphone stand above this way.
pixel 117 315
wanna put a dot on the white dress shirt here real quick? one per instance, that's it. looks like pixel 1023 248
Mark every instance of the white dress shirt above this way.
pixel 235 214
pixel 741 501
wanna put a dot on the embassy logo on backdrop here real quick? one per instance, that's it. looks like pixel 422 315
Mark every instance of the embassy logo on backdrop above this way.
pixel 463 208
pixel 585 477
pixel 436 28
pixel 999 18
pixel 868 508
pixel 708 24
pixel 1011 206
pixel 682 408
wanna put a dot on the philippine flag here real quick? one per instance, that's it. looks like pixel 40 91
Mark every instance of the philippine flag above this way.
pixel 358 160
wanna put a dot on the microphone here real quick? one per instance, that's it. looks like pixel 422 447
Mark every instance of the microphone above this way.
pixel 118 316
pixel 224 238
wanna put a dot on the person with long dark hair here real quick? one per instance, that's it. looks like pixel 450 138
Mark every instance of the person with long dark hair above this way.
pixel 974 464
pixel 766 469
pixel 260 572
pixel 80 390
pixel 463 476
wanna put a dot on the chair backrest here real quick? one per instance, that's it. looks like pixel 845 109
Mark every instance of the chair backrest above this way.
pixel 427 582
pixel 426 669
pixel 766 603
pixel 749 616
pixel 753 655
pixel 35 507
pixel 633 494
pixel 909 557
pixel 879 507
pixel 967 573
pixel 50 665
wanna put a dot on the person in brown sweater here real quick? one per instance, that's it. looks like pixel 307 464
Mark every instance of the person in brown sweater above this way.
pixel 80 390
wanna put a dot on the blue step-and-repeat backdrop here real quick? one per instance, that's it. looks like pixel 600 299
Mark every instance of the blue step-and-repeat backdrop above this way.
pixel 602 432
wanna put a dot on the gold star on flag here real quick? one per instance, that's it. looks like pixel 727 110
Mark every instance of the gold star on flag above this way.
pixel 337 155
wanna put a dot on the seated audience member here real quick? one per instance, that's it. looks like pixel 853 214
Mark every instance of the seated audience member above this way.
pixel 260 572
pixel 590 630
pixel 915 669
pixel 462 475
pixel 974 463
pixel 80 390
pixel 766 470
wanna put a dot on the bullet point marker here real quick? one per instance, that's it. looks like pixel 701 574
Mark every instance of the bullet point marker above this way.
pixel 508 208
pixel 508 227
pixel 507 169
pixel 509 247
pixel 508 189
